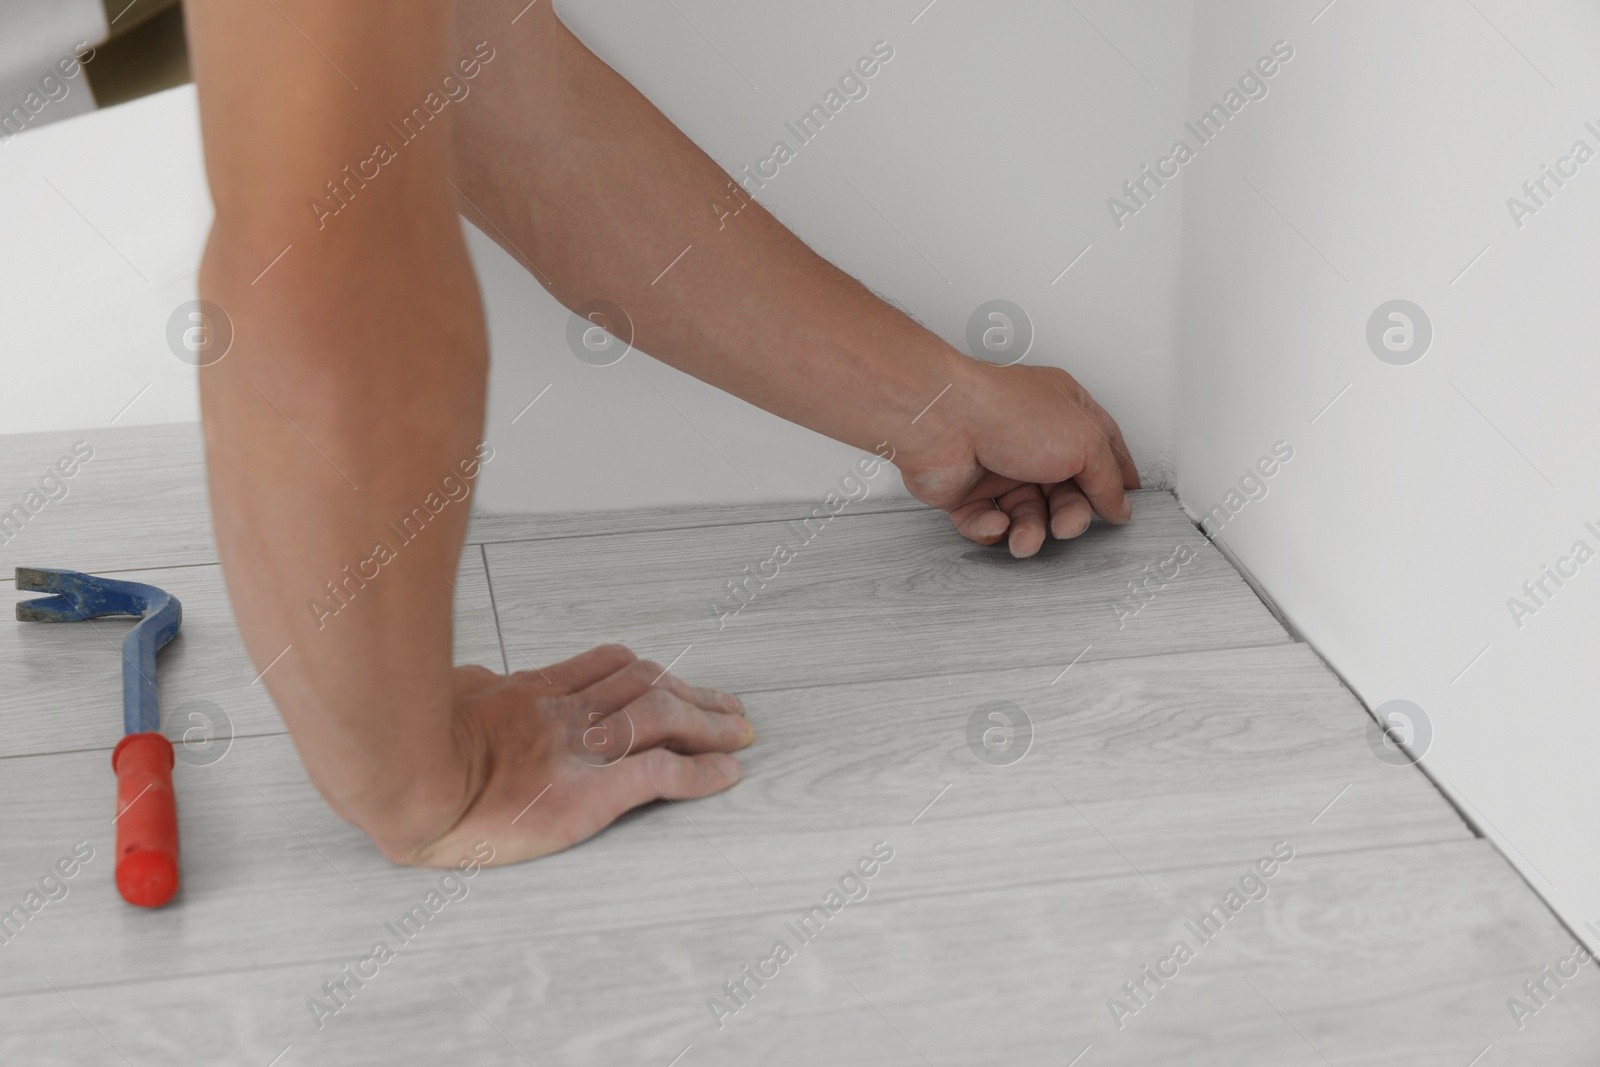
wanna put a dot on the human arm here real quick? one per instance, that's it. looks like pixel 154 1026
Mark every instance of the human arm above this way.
pixel 354 391
pixel 562 160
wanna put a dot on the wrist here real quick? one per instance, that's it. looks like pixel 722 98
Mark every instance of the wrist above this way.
pixel 410 802
pixel 935 424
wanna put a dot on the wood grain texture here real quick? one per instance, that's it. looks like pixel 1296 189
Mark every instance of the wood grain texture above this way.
pixel 1164 761
pixel 890 595
pixel 490 528
pixel 139 502
pixel 65 690
pixel 892 671
pixel 1384 956
pixel 1257 742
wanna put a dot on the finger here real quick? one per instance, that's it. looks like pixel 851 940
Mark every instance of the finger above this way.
pixel 700 696
pixel 1101 480
pixel 1119 447
pixel 981 521
pixel 1025 505
pixel 659 719
pixel 1079 398
pixel 639 677
pixel 1070 512
pixel 1130 473
pixel 657 774
pixel 584 669
pixel 654 774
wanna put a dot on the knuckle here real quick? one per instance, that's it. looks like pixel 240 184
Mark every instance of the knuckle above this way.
pixel 1074 457
pixel 656 702
pixel 681 717
pixel 530 677
pixel 678 721
pixel 708 777
pixel 700 777
pixel 656 763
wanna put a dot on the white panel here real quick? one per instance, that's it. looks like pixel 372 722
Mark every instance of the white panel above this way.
pixel 1426 494
pixel 106 215
pixel 976 168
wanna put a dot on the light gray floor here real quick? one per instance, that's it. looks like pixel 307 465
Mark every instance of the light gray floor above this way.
pixel 1167 755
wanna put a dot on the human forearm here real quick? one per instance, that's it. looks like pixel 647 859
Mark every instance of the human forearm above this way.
pixel 354 388
pixel 561 160
pixel 325 471
pixel 584 175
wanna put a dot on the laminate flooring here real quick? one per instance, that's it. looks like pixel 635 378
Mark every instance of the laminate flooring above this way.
pixel 1070 779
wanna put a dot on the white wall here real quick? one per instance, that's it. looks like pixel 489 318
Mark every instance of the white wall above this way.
pixel 989 145
pixel 105 217
pixel 1423 498
pixel 989 142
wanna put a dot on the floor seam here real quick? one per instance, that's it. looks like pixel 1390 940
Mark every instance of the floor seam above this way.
pixel 791 688
pixel 909 506
pixel 912 507
pixel 1344 683
pixel 494 609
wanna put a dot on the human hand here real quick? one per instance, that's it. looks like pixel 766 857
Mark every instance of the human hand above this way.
pixel 1022 449
pixel 555 755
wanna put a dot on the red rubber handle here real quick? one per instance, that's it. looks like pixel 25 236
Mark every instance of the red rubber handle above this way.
pixel 147 820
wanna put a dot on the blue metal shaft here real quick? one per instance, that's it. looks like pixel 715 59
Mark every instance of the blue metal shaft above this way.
pixel 84 596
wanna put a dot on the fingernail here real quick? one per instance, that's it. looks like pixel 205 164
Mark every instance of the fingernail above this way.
pixel 730 767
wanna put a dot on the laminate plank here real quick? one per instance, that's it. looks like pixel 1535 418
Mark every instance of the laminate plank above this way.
pixel 1384 956
pixel 890 595
pixel 489 528
pixel 146 484
pixel 1176 759
pixel 1260 741
pixel 140 501
pixel 65 688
